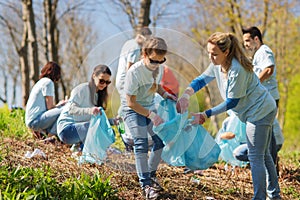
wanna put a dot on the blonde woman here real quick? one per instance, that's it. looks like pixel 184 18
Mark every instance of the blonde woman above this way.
pixel 246 97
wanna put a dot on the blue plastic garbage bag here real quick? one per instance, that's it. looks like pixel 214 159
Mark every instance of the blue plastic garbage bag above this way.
pixel 234 125
pixel 99 137
pixel 185 144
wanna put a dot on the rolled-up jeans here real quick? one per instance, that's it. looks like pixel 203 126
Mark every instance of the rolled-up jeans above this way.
pixel 74 133
pixel 263 169
pixel 139 127
pixel 46 121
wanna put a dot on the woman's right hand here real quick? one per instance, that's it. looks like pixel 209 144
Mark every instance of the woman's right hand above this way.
pixel 96 111
pixel 182 103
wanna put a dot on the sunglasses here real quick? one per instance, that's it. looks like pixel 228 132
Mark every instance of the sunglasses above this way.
pixel 102 81
pixel 157 61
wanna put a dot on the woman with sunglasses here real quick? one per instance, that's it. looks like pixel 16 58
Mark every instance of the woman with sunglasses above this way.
pixel 41 112
pixel 141 83
pixel 85 100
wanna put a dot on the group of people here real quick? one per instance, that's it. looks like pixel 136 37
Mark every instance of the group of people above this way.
pixel 70 118
pixel 243 85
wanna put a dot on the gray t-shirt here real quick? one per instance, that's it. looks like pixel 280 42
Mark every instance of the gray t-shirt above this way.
pixel 262 59
pixel 255 102
pixel 138 82
pixel 36 104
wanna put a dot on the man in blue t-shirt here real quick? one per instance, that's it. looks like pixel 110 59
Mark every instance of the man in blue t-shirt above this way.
pixel 263 61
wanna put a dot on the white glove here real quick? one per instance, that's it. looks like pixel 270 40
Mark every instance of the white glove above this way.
pixel 183 103
pixel 167 95
pixel 155 118
pixel 200 118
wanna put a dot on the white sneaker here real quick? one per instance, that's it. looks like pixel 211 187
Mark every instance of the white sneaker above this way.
pixel 155 184
pixel 150 192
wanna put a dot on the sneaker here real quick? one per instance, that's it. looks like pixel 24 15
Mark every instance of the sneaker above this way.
pixel 155 184
pixel 150 192
pixel 76 148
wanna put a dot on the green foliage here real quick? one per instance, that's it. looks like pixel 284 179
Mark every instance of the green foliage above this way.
pixel 12 123
pixel 28 183
pixel 292 123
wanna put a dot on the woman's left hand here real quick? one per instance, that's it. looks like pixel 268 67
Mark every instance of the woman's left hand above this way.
pixel 199 118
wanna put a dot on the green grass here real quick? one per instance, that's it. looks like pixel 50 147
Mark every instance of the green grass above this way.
pixel 28 183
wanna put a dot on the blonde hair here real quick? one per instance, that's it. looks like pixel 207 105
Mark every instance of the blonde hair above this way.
pixel 159 46
pixel 229 41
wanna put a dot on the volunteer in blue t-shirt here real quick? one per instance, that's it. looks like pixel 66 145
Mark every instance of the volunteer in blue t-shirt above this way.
pixel 247 98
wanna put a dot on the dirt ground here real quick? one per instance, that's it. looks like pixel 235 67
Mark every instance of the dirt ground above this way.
pixel 214 183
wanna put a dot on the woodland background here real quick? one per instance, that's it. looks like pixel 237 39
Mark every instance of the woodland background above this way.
pixel 36 31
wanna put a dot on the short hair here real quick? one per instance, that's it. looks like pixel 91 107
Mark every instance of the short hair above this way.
pixel 253 31
pixel 154 44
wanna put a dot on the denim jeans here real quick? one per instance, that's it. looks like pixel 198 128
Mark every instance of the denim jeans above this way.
pixel 47 121
pixel 241 152
pixel 139 127
pixel 263 169
pixel 74 133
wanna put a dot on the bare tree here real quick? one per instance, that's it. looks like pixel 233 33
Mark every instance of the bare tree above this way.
pixel 32 46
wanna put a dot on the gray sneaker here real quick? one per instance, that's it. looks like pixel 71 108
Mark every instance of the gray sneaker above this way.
pixel 150 192
pixel 155 184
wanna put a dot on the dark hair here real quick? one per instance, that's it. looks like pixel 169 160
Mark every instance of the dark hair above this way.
pixel 253 31
pixel 145 31
pixel 102 94
pixel 51 70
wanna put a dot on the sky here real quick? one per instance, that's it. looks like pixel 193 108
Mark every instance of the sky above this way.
pixel 113 29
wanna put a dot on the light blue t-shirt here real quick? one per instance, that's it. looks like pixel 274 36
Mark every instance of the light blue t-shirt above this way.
pixel 130 53
pixel 138 82
pixel 255 102
pixel 36 104
pixel 262 59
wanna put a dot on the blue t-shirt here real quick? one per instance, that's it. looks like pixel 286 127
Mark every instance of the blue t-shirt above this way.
pixel 130 53
pixel 36 104
pixel 264 58
pixel 254 100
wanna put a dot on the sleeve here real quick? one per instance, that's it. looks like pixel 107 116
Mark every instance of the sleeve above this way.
pixel 131 83
pixel 200 82
pixel 222 107
pixel 78 96
pixel 237 80
pixel 264 60
pixel 48 88
pixel 133 55
pixel 207 76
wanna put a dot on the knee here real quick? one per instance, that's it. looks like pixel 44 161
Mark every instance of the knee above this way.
pixel 141 145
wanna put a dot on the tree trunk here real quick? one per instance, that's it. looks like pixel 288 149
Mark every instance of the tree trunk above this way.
pixel 51 36
pixel 144 15
pixel 23 58
pixel 32 42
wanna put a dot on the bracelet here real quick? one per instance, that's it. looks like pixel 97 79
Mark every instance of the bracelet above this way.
pixel 152 115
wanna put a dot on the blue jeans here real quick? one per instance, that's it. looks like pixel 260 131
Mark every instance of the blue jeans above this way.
pixel 263 169
pixel 139 127
pixel 74 133
pixel 241 152
pixel 46 121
